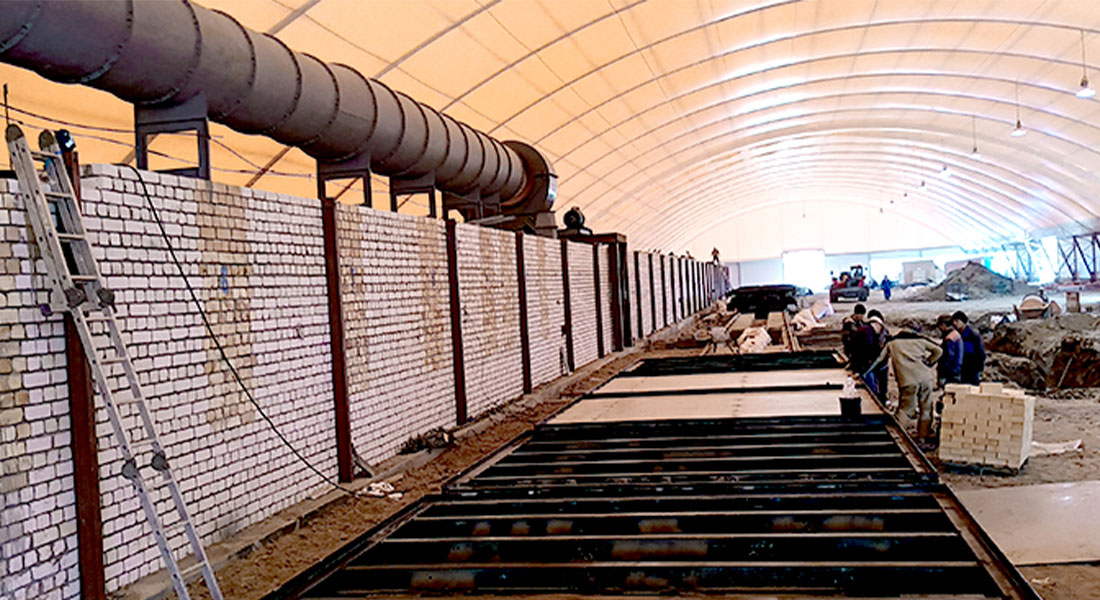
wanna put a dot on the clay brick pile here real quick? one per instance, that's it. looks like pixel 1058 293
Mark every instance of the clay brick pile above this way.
pixel 986 426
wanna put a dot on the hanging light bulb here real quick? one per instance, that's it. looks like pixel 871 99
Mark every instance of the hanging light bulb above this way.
pixel 974 136
pixel 1019 131
pixel 1085 91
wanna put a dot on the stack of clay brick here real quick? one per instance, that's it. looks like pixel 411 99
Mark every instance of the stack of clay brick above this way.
pixel 986 426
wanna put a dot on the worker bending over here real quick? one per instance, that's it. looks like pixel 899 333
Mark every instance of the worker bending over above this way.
pixel 913 358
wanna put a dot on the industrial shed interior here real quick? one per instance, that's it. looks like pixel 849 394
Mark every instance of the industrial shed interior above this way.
pixel 392 298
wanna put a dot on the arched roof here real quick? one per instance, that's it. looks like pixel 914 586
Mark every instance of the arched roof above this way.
pixel 687 124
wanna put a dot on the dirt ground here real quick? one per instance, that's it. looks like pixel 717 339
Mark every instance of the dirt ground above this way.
pixel 280 559
pixel 1060 415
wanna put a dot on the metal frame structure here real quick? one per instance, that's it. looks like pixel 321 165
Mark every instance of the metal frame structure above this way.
pixel 753 507
pixel 1077 257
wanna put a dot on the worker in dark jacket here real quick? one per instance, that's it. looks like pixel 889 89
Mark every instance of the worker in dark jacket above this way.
pixel 849 326
pixel 973 361
pixel 949 369
pixel 881 375
pixel 865 349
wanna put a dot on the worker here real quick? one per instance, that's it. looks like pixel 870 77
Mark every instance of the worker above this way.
pixel 887 287
pixel 949 369
pixel 973 360
pixel 882 374
pixel 865 348
pixel 849 326
pixel 912 357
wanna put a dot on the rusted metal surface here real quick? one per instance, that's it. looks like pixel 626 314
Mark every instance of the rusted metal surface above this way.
pixel 524 335
pixel 82 442
pixel 344 462
pixel 456 325
pixel 810 506
pixel 567 301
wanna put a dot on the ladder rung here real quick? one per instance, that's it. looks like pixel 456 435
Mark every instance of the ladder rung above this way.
pixel 114 360
pixel 42 155
pixel 189 572
pixel 84 277
pixel 71 237
pixel 100 318
pixel 58 195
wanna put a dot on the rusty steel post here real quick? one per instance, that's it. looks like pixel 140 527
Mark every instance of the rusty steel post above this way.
pixel 341 405
pixel 524 335
pixel 456 325
pixel 82 442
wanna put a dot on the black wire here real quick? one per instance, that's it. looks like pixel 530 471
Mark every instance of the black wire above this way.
pixel 221 351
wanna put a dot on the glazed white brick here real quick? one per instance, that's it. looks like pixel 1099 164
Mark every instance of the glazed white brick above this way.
pixel 489 294
pixel 397 328
pixel 38 522
pixel 606 322
pixel 987 425
pixel 545 308
pixel 582 303
pixel 646 283
pixel 271 317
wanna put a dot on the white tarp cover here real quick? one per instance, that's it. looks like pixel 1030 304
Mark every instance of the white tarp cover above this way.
pixel 752 126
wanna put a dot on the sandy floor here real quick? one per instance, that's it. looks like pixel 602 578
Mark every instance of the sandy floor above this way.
pixel 1059 417
pixel 896 309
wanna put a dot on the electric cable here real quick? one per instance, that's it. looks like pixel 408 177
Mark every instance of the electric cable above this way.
pixel 217 343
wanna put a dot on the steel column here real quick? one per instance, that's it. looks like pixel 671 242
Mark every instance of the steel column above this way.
pixel 456 325
pixel 615 281
pixel 82 442
pixel 336 334
pixel 524 335
pixel 567 304
pixel 599 300
pixel 638 296
pixel 664 293
pixel 652 293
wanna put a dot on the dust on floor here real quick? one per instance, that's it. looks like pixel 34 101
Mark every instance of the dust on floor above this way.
pixel 277 561
pixel 1068 415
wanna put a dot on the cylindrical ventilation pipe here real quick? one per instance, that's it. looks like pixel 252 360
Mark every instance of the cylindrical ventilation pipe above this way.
pixel 165 52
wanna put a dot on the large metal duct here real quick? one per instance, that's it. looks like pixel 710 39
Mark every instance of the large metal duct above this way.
pixel 165 52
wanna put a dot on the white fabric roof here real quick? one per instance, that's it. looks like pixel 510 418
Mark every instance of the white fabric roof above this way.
pixel 754 126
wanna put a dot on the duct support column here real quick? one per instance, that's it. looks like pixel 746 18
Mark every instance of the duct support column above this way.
pixel 82 442
pixel 638 296
pixel 599 300
pixel 568 306
pixel 615 281
pixel 341 406
pixel 524 335
pixel 652 292
pixel 456 325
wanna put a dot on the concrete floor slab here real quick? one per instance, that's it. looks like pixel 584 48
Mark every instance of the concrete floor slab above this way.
pixel 1040 524
pixel 707 406
pixel 747 379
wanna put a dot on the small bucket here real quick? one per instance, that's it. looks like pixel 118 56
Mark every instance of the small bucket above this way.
pixel 850 407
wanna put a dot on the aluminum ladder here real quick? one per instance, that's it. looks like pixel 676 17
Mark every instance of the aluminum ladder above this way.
pixel 79 288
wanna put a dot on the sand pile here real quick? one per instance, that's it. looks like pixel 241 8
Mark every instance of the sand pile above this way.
pixel 975 281
pixel 1064 351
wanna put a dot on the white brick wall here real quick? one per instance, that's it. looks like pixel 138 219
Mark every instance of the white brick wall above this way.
pixel 489 293
pixel 545 308
pixel 582 304
pixel 38 522
pixel 256 260
pixel 606 320
pixel 669 284
pixel 645 294
pixel 397 327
